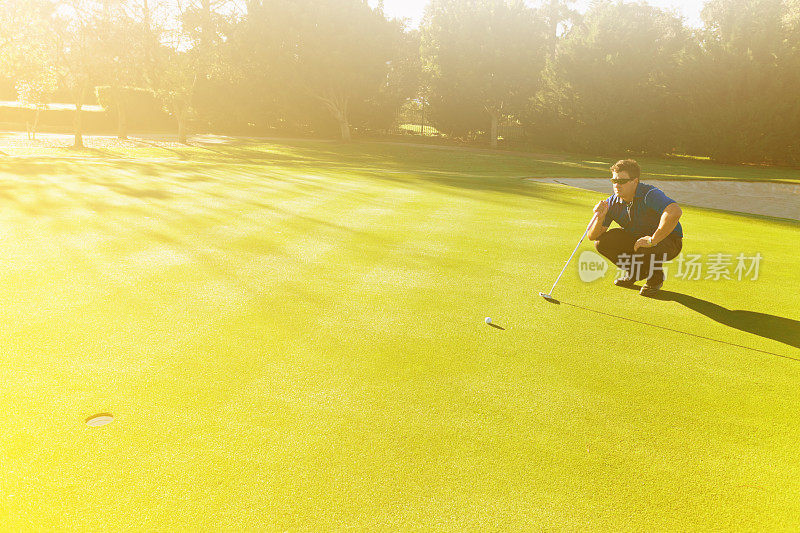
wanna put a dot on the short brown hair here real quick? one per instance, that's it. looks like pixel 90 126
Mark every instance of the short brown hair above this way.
pixel 627 165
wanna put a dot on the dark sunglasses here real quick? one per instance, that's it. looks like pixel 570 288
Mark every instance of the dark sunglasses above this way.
pixel 621 180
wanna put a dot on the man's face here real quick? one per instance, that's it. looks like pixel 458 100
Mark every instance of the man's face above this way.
pixel 624 190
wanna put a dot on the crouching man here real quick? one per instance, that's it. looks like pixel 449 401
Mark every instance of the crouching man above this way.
pixel 650 233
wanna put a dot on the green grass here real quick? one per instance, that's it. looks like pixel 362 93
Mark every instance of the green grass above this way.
pixel 388 158
pixel 291 336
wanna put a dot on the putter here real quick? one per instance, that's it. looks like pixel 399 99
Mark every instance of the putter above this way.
pixel 549 296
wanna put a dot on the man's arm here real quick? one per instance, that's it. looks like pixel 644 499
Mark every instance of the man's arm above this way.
pixel 669 219
pixel 597 228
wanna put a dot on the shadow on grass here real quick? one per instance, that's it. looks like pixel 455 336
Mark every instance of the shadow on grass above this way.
pixel 764 325
pixel 178 153
pixel 87 151
pixel 773 327
pixel 313 221
pixel 143 193
pixel 392 163
pixel 466 174
pixel 463 174
pixel 401 165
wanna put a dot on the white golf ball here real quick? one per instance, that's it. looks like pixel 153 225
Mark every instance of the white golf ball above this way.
pixel 488 320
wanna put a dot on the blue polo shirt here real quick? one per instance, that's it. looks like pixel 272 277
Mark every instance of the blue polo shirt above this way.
pixel 642 216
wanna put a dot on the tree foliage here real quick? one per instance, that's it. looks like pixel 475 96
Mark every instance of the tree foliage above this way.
pixel 615 81
pixel 326 54
pixel 621 77
pixel 744 81
pixel 482 61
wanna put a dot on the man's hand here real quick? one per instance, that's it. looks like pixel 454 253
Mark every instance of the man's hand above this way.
pixel 644 242
pixel 596 228
pixel 601 209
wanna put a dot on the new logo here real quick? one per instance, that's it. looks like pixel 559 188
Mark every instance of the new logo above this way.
pixel 591 266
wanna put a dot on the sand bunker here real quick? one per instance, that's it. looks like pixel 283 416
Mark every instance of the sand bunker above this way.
pixel 780 200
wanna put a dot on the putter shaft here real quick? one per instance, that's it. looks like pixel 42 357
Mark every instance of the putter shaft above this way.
pixel 572 254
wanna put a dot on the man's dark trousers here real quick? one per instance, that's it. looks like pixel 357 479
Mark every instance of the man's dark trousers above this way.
pixel 616 242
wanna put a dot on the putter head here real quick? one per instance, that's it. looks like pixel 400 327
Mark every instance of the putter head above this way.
pixel 548 298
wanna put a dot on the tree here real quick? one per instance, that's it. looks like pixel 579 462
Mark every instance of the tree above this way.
pixel 79 61
pixel 482 60
pixel 22 24
pixel 558 17
pixel 747 66
pixel 122 39
pixel 27 53
pixel 615 82
pixel 378 111
pixel 333 53
pixel 178 44
pixel 36 88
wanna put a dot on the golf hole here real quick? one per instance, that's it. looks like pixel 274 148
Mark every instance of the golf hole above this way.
pixel 100 419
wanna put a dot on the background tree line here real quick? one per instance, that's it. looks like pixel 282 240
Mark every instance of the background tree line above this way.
pixel 622 76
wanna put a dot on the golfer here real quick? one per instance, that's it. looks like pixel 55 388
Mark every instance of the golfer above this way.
pixel 650 233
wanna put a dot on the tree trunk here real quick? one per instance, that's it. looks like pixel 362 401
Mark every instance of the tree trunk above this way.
pixel 344 126
pixel 79 120
pixel 338 108
pixel 182 133
pixel 494 115
pixel 339 112
pixel 122 118
pixel 122 123
pixel 36 122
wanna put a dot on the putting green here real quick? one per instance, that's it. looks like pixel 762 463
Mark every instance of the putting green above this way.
pixel 291 336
